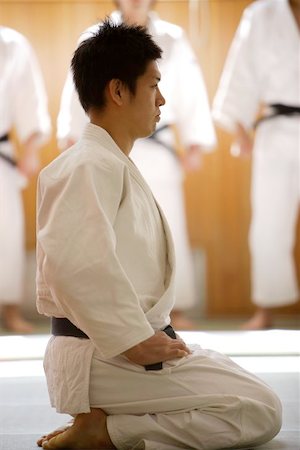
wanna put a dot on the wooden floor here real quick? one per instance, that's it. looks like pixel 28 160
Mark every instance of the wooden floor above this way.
pixel 25 412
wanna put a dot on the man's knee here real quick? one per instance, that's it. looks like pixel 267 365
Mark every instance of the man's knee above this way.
pixel 273 417
pixel 261 420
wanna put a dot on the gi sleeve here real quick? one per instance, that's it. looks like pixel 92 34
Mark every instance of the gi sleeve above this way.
pixel 71 118
pixel 237 97
pixel 79 263
pixel 30 102
pixel 190 104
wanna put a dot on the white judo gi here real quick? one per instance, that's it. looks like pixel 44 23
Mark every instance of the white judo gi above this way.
pixel 23 106
pixel 106 262
pixel 263 68
pixel 186 107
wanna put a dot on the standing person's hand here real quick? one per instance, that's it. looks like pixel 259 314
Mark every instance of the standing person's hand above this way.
pixel 191 160
pixel 29 164
pixel 243 144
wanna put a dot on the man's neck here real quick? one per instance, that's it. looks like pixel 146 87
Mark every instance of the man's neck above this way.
pixel 117 133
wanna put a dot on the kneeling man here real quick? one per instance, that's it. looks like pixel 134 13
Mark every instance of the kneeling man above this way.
pixel 106 278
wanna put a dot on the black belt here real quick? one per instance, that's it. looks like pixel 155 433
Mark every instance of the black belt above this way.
pixel 154 138
pixel 278 109
pixel 7 158
pixel 63 327
pixel 4 138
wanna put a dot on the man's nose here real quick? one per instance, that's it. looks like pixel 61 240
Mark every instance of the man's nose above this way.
pixel 160 98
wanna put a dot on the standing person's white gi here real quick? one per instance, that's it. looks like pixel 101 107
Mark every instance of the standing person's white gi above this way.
pixel 186 107
pixel 263 68
pixel 106 265
pixel 23 106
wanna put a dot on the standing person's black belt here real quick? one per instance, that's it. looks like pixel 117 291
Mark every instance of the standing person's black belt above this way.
pixel 63 327
pixel 7 158
pixel 278 109
pixel 4 138
pixel 154 137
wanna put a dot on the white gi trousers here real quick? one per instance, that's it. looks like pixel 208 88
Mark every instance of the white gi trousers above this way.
pixel 204 401
pixel 275 198
pixel 12 247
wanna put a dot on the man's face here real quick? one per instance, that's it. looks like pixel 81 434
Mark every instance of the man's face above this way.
pixel 144 106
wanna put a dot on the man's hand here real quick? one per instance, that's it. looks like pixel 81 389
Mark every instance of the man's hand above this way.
pixel 29 164
pixel 191 160
pixel 158 348
pixel 243 144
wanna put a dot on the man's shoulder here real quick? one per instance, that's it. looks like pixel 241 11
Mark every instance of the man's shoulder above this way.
pixel 262 18
pixel 13 38
pixel 162 27
pixel 92 156
pixel 89 32
pixel 262 8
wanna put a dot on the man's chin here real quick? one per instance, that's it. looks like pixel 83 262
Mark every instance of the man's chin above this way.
pixel 149 132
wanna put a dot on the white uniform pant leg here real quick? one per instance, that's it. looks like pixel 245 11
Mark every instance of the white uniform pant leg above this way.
pixel 171 199
pixel 214 402
pixel 275 206
pixel 200 430
pixel 12 251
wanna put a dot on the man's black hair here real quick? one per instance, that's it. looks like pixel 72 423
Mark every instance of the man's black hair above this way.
pixel 113 52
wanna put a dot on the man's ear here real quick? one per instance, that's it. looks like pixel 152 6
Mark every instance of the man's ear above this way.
pixel 116 91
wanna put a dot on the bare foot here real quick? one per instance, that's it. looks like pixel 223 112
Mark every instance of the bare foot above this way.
pixel 89 431
pixel 47 437
pixel 261 320
pixel 180 322
pixel 13 320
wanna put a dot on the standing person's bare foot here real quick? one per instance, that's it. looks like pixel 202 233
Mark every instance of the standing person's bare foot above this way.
pixel 13 321
pixel 180 322
pixel 88 431
pixel 261 320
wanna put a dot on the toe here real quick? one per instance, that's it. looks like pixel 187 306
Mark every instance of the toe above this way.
pixel 40 440
pixel 50 444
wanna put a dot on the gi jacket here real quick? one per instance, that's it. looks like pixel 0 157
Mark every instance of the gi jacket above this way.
pixel 262 66
pixel 104 252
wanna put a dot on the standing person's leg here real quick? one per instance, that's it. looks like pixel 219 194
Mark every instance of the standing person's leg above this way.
pixel 12 254
pixel 170 197
pixel 275 205
pixel 163 173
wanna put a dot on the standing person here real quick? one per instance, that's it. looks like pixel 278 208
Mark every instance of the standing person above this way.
pixel 187 108
pixel 262 70
pixel 23 106
pixel 106 277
